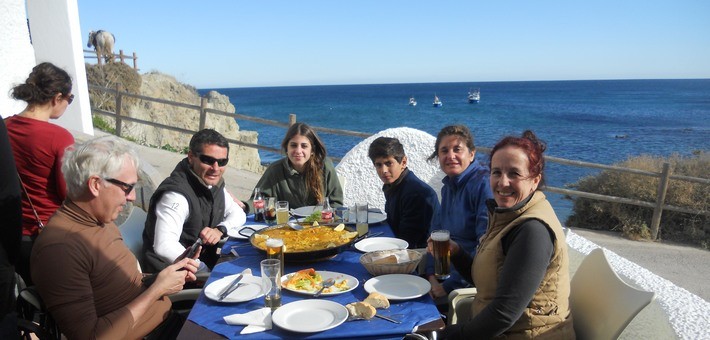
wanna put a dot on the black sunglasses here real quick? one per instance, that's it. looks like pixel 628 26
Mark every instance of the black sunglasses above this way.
pixel 208 160
pixel 127 188
pixel 69 98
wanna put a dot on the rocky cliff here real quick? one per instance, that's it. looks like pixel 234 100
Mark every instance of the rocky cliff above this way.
pixel 166 87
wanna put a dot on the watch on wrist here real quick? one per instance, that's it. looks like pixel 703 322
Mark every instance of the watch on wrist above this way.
pixel 222 229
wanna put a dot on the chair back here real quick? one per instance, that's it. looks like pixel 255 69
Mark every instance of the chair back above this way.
pixel 132 232
pixel 602 304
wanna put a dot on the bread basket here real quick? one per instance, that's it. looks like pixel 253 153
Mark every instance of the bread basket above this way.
pixel 390 268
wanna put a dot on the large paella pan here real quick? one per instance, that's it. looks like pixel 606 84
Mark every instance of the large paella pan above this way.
pixel 310 243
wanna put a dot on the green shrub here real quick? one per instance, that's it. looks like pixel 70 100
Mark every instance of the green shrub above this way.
pixel 634 221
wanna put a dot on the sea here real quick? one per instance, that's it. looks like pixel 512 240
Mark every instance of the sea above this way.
pixel 599 121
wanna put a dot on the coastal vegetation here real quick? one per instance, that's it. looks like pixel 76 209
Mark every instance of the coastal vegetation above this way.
pixel 633 221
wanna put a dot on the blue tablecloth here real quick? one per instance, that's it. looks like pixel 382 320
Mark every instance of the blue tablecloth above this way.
pixel 209 314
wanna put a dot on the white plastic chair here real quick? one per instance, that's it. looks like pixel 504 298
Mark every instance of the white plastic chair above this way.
pixel 132 233
pixel 602 304
pixel 460 305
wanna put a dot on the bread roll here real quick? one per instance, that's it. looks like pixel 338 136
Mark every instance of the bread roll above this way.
pixel 386 260
pixel 377 300
pixel 361 309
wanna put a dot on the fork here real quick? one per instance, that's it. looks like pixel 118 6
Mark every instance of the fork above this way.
pixel 327 283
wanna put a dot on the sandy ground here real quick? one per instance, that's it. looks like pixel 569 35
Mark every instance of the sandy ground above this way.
pixel 685 266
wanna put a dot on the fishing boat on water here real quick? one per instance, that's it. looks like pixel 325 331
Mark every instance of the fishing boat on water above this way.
pixel 412 101
pixel 474 96
pixel 437 102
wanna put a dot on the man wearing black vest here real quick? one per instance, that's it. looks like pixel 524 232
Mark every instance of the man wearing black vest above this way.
pixel 192 203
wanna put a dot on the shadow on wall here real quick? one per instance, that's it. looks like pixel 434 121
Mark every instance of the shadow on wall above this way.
pixel 361 181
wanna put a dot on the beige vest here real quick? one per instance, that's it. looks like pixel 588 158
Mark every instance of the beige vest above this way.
pixel 548 314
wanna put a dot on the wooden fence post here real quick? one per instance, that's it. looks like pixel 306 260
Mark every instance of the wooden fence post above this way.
pixel 135 62
pixel 291 119
pixel 203 113
pixel 119 100
pixel 121 56
pixel 660 198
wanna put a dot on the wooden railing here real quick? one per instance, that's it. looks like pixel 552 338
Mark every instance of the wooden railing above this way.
pixel 658 206
pixel 121 57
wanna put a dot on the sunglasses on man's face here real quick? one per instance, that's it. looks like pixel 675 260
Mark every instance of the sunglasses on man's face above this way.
pixel 70 98
pixel 127 188
pixel 208 160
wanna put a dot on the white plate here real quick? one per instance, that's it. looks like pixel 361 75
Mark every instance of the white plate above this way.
pixel 251 290
pixel 234 232
pixel 305 211
pixel 380 243
pixel 352 282
pixel 309 316
pixel 398 286
pixel 373 218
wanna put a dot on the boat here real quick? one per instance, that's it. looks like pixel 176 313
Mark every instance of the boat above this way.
pixel 412 101
pixel 437 102
pixel 474 96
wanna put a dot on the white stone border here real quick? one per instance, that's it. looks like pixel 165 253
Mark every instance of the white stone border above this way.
pixel 689 314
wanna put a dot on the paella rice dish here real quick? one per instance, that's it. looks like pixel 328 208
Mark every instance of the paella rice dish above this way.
pixel 307 239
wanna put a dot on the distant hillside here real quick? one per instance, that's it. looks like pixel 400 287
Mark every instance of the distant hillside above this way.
pixel 159 85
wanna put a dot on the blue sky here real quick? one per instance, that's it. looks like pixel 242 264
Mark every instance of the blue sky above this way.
pixel 222 43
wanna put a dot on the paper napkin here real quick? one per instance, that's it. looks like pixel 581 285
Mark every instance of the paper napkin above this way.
pixel 256 321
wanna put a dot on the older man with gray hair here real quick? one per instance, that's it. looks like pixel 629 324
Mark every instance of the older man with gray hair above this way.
pixel 88 278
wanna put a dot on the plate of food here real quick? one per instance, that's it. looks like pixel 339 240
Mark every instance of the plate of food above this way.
pixel 310 315
pixel 249 288
pixel 309 281
pixel 380 243
pixel 398 286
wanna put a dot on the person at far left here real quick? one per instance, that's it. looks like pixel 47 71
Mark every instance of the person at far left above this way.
pixel 409 203
pixel 86 275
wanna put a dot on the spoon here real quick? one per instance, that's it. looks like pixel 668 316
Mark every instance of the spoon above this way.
pixel 327 283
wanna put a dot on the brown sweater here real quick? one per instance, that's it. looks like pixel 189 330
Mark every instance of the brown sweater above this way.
pixel 86 276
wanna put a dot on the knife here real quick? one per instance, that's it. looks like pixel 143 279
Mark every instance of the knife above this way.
pixel 387 318
pixel 229 289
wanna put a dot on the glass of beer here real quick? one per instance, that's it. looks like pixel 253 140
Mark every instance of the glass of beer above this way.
pixel 361 225
pixel 281 212
pixel 442 254
pixel 271 281
pixel 275 250
pixel 270 210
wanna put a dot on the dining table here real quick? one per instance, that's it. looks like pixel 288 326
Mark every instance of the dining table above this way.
pixel 206 318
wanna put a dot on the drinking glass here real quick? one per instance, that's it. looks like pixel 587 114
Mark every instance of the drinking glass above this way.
pixel 361 225
pixel 341 214
pixel 275 250
pixel 281 212
pixel 271 281
pixel 442 254
pixel 270 210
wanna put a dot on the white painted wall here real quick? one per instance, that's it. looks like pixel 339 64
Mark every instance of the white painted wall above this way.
pixel 16 54
pixel 56 38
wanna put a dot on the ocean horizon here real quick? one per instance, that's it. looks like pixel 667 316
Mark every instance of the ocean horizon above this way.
pixel 599 121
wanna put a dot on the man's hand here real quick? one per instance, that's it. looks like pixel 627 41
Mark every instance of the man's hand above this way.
pixel 210 236
pixel 171 279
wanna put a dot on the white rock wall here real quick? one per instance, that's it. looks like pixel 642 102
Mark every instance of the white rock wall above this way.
pixel 360 178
